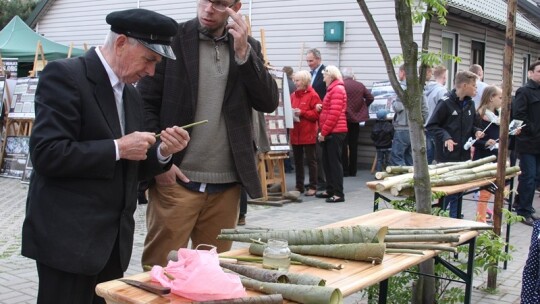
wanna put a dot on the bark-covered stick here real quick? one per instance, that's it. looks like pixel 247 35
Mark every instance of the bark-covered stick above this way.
pixel 400 251
pixel 258 249
pixel 245 230
pixel 266 299
pixel 187 126
pixel 367 252
pixel 298 293
pixel 440 228
pixel 420 246
pixel 338 235
pixel 441 238
pixel 413 231
pixel 264 275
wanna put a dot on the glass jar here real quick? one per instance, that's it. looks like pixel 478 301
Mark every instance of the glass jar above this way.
pixel 277 255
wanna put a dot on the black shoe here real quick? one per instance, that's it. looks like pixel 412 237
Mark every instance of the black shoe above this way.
pixel 335 199
pixel 322 195
pixel 528 221
pixel 142 200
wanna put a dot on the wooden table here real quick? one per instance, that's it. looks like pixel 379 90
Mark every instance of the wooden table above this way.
pixel 353 278
pixel 464 189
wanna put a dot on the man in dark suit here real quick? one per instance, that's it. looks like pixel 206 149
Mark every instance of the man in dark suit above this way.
pixel 313 58
pixel 87 155
pixel 219 76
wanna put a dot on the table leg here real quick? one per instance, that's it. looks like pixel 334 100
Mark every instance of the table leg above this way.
pixel 383 291
pixel 467 277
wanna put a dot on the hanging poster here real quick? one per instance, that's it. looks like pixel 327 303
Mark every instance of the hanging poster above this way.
pixel 278 121
pixel 22 100
pixel 15 156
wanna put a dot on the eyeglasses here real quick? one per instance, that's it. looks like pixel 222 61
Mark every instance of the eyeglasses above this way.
pixel 217 5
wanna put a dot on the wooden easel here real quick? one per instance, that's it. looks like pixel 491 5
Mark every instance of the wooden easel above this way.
pixel 39 64
pixel 268 164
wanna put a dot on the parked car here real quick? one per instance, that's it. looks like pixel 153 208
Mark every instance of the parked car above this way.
pixel 384 96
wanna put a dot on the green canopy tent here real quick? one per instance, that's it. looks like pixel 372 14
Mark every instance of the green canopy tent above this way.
pixel 17 40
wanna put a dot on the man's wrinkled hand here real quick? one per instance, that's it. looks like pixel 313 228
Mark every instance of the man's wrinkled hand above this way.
pixel 173 140
pixel 135 145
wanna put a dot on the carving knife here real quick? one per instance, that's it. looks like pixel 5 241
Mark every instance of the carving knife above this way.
pixel 153 288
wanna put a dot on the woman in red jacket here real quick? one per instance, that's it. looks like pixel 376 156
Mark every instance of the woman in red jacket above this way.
pixel 333 126
pixel 304 133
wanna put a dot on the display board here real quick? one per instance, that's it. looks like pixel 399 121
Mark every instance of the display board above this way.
pixel 15 156
pixel 10 64
pixel 278 121
pixel 22 100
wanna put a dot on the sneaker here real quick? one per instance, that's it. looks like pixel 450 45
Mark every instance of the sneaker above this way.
pixel 241 220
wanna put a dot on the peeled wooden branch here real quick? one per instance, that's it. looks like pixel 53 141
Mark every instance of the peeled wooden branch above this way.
pixel 367 252
pixel 382 175
pixel 258 249
pixel 298 293
pixel 264 275
pixel 266 299
pixel 398 169
pixel 407 178
pixel 338 235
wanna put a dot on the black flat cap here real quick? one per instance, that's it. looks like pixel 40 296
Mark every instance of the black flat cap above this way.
pixel 153 30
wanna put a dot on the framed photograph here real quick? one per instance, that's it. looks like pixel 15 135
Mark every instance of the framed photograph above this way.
pixel 27 174
pixel 15 157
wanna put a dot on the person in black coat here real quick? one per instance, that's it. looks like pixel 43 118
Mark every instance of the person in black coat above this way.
pixel 88 154
pixel 526 108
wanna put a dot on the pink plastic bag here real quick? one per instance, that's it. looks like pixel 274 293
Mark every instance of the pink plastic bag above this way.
pixel 198 276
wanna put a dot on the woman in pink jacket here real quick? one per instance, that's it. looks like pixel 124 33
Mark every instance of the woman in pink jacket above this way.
pixel 333 126
pixel 303 136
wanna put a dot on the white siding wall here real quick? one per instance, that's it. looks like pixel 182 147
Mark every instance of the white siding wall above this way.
pixel 289 25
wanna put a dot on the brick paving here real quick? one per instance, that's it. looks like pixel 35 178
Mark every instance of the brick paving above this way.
pixel 18 276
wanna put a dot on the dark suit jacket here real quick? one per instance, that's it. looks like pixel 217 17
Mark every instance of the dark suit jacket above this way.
pixel 81 199
pixel 318 84
pixel 171 98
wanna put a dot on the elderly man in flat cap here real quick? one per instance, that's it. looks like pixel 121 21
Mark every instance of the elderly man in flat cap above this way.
pixel 88 152
pixel 219 76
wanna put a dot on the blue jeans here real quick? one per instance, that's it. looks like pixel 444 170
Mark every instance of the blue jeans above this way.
pixel 430 147
pixel 401 149
pixel 383 159
pixel 529 165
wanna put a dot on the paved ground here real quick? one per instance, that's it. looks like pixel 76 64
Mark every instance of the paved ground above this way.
pixel 18 277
